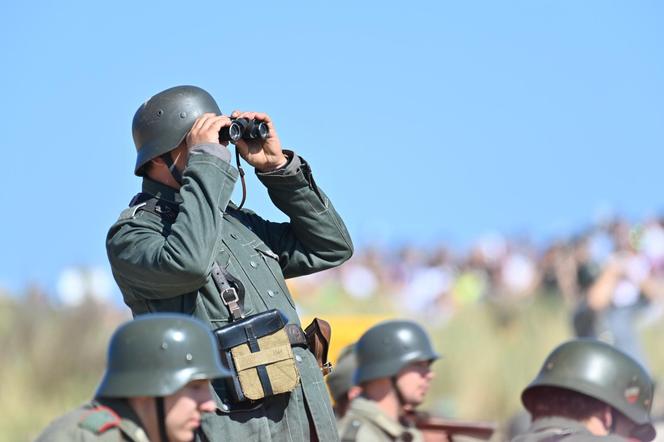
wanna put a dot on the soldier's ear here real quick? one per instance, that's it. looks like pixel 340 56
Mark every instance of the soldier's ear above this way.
pixel 153 165
pixel 608 419
pixel 354 392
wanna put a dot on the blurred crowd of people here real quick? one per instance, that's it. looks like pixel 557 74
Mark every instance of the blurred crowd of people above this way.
pixel 605 274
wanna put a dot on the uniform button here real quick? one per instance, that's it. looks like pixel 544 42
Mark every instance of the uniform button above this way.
pixel 298 358
pixel 253 264
pixel 270 292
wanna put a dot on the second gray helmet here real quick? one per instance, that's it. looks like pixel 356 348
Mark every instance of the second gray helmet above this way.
pixel 386 348
pixel 603 372
pixel 157 354
pixel 162 122
pixel 341 378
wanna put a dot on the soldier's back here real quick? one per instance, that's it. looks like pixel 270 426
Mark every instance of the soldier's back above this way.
pixel 556 429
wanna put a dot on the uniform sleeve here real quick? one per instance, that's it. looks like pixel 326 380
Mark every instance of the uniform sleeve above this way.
pixel 163 261
pixel 316 237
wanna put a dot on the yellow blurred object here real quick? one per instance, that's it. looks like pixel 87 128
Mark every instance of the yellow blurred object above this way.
pixel 347 329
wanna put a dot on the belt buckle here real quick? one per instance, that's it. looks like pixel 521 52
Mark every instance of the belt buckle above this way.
pixel 232 292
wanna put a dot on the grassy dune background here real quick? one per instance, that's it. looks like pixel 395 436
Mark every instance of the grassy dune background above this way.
pixel 52 358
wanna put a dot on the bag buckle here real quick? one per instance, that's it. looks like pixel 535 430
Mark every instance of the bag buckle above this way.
pixel 229 296
pixel 231 299
pixel 326 368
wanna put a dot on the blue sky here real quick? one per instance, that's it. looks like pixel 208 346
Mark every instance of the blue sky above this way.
pixel 422 120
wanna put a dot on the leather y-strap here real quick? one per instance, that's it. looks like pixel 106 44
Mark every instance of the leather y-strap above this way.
pixel 150 203
pixel 230 288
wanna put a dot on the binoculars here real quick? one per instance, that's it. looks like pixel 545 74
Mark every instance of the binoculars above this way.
pixel 245 129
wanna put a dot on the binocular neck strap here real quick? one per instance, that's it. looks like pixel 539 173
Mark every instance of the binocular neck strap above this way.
pixel 244 185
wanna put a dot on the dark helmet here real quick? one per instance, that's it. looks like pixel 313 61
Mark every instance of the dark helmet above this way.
pixel 341 378
pixel 603 372
pixel 386 348
pixel 162 122
pixel 157 354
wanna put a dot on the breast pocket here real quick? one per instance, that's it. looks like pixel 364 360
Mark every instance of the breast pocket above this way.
pixel 271 261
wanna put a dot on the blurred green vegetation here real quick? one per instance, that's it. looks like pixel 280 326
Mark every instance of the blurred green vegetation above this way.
pixel 52 358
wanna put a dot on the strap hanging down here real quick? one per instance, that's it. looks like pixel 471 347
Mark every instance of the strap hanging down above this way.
pixel 241 171
pixel 161 417
pixel 230 289
pixel 252 341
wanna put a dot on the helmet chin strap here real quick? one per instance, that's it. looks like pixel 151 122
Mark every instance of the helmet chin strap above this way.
pixel 175 173
pixel 612 427
pixel 400 398
pixel 161 418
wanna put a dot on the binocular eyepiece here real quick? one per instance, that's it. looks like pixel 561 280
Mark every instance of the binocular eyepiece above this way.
pixel 245 129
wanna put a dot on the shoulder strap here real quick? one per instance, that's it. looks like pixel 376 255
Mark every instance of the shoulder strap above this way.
pixel 99 420
pixel 230 288
pixel 150 203
pixel 351 431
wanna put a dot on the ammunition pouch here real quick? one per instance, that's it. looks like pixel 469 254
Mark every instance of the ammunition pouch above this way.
pixel 257 350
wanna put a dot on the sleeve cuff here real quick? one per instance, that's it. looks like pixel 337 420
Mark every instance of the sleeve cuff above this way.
pixel 291 167
pixel 216 150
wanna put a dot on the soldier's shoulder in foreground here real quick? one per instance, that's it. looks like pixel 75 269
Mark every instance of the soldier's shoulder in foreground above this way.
pixel 567 437
pixel 93 422
pixel 556 429
pixel 356 428
pixel 366 422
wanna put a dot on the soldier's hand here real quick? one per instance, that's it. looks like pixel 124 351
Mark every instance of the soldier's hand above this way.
pixel 264 155
pixel 206 129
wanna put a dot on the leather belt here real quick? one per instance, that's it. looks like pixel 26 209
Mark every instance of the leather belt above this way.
pixel 296 335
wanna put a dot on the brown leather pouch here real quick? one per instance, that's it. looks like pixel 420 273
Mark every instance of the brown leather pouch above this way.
pixel 319 334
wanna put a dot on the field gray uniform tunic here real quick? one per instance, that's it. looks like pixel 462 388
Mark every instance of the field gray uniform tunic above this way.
pixel 100 420
pixel 554 429
pixel 366 422
pixel 164 266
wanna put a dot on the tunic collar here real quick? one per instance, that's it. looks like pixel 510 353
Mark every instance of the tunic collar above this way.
pixel 556 422
pixel 161 191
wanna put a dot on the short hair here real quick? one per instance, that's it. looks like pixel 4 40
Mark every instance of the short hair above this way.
pixel 560 402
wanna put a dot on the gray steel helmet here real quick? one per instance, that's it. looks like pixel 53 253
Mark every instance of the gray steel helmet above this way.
pixel 341 378
pixel 157 354
pixel 386 348
pixel 603 372
pixel 162 122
